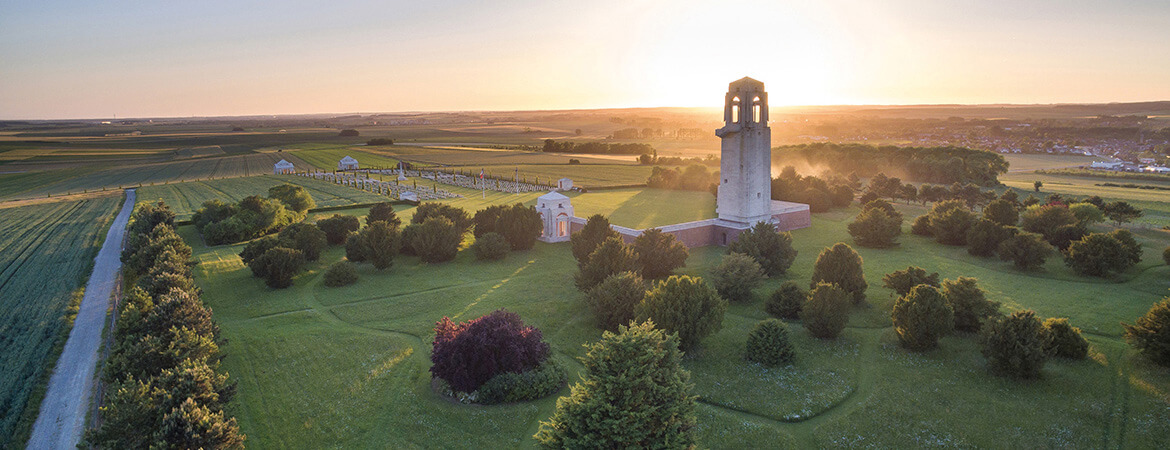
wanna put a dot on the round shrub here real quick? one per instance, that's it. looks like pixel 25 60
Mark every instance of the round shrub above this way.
pixel 341 273
pixel 257 247
pixel 921 317
pixel 490 246
pixel 520 225
pixel 921 226
pixel 512 387
pixel 683 305
pixel 841 265
pixel 458 217
pixel 408 234
pixel 787 301
pixel 826 312
pixel 1151 334
pixel 1015 345
pixel 969 302
pixel 614 300
pixel 736 276
pixel 772 250
pixel 902 281
pixel 468 354
pixel 1067 341
pixel 437 239
pixel 768 344
pixel 612 256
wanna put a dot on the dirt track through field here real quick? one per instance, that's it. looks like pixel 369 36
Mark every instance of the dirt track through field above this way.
pixel 62 416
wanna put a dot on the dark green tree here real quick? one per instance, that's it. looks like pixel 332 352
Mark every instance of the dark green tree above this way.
pixel 309 239
pixel 685 306
pixel 490 246
pixel 341 273
pixel 1002 211
pixel 1016 345
pixel 520 225
pixel 1098 255
pixel 736 277
pixel 659 253
pixel 772 250
pixel 787 301
pixel 613 256
pixel 902 281
pixel 1151 334
pixel 969 303
pixel 614 300
pixel 278 266
pixel 380 243
pixel 296 198
pixel 590 237
pixel 437 240
pixel 875 227
pixel 768 344
pixel 1067 341
pixel 826 312
pixel 984 237
pixel 633 393
pixel 383 212
pixel 1025 250
pixel 338 228
pixel 841 265
pixel 1121 212
pixel 921 317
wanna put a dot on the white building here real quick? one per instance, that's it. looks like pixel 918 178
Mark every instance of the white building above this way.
pixel 1105 165
pixel 556 211
pixel 283 167
pixel 347 163
pixel 564 184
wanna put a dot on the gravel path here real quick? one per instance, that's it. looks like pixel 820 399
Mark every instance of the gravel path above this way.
pixel 62 416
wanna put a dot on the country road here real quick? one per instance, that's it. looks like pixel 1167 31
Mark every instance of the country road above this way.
pixel 62 416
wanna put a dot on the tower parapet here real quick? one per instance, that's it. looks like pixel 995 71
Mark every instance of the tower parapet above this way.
pixel 745 184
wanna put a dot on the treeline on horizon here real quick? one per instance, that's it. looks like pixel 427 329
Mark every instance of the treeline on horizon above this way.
pixel 941 165
pixel 598 148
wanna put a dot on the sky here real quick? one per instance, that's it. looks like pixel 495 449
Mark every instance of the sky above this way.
pixel 87 59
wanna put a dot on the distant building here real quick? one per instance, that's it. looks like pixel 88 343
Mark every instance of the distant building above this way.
pixel 564 184
pixel 1157 169
pixel 347 163
pixel 556 212
pixel 1105 165
pixel 283 167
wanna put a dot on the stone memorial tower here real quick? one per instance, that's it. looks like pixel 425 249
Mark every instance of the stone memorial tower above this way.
pixel 745 185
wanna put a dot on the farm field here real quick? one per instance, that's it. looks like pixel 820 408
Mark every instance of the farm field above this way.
pixel 1029 162
pixel 321 366
pixel 1154 203
pixel 77 181
pixel 185 198
pixel 46 251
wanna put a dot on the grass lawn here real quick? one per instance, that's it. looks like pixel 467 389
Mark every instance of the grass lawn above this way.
pixel 1154 203
pixel 348 367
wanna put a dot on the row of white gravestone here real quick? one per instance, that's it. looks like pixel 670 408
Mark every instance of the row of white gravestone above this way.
pixel 484 183
pixel 363 182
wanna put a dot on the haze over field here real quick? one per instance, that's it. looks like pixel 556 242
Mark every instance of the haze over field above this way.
pixel 77 59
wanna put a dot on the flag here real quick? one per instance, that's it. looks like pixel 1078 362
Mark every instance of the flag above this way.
pixel 481 174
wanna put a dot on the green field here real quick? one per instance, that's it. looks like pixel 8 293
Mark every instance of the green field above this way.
pixel 185 198
pixel 46 251
pixel 326 156
pixel 1029 162
pixel 66 181
pixel 347 367
pixel 1155 204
